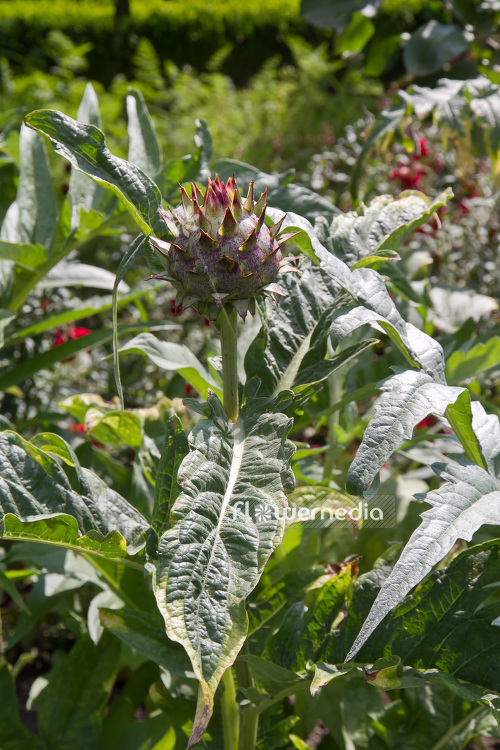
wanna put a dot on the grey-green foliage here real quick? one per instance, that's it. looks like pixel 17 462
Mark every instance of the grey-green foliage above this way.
pixel 13 735
pixel 293 344
pixel 454 633
pixel 225 524
pixel 469 498
pixel 439 645
pixel 213 547
pixel 407 398
pixel 35 238
pixel 144 148
pixel 29 227
pixel 467 110
pixel 178 357
pixel 85 147
pixel 337 14
pixel 433 45
pixel 167 489
pixel 381 226
pixel 34 489
pixel 84 194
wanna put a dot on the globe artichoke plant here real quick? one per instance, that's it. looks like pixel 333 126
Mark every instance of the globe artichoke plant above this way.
pixel 221 251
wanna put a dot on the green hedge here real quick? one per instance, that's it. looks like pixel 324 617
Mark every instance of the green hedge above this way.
pixel 185 31
pixel 189 32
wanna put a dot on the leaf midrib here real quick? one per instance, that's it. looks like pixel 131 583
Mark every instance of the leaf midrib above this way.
pixel 239 438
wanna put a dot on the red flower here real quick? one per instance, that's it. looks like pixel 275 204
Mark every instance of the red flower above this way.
pixel 429 421
pixel 78 332
pixel 410 178
pixel 74 332
pixel 59 339
pixel 423 148
pixel 175 310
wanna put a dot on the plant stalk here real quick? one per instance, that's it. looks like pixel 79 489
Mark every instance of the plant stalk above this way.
pixel 249 722
pixel 456 728
pixel 230 712
pixel 228 328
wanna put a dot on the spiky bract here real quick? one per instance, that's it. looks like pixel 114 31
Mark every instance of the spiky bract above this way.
pixel 220 250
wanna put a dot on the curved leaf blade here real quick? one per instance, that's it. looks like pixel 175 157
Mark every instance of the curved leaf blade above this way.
pixel 36 197
pixel 167 489
pixel 85 147
pixel 144 147
pixel 126 262
pixel 176 357
pixel 373 305
pixel 34 487
pixel 382 225
pixel 25 255
pixel 145 632
pixel 72 705
pixel 83 193
pixel 407 398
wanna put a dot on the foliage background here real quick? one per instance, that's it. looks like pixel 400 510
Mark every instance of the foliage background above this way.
pixel 279 94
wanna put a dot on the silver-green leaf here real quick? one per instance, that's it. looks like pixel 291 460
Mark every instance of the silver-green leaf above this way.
pixel 407 398
pixel 144 148
pixel 226 522
pixel 469 498
pixel 33 487
pixel 85 147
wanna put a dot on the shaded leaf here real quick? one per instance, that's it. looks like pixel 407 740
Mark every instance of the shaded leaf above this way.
pixel 431 46
pixel 145 632
pixel 84 194
pixel 13 735
pixel 382 130
pixel 281 194
pixel 336 14
pixel 76 310
pixel 295 334
pixel 47 359
pixel 167 488
pixel 71 707
pixel 36 198
pixel 469 498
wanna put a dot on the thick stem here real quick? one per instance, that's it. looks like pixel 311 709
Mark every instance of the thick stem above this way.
pixel 228 327
pixel 230 712
pixel 249 722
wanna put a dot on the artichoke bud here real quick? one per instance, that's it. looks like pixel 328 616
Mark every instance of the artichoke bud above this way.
pixel 220 250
